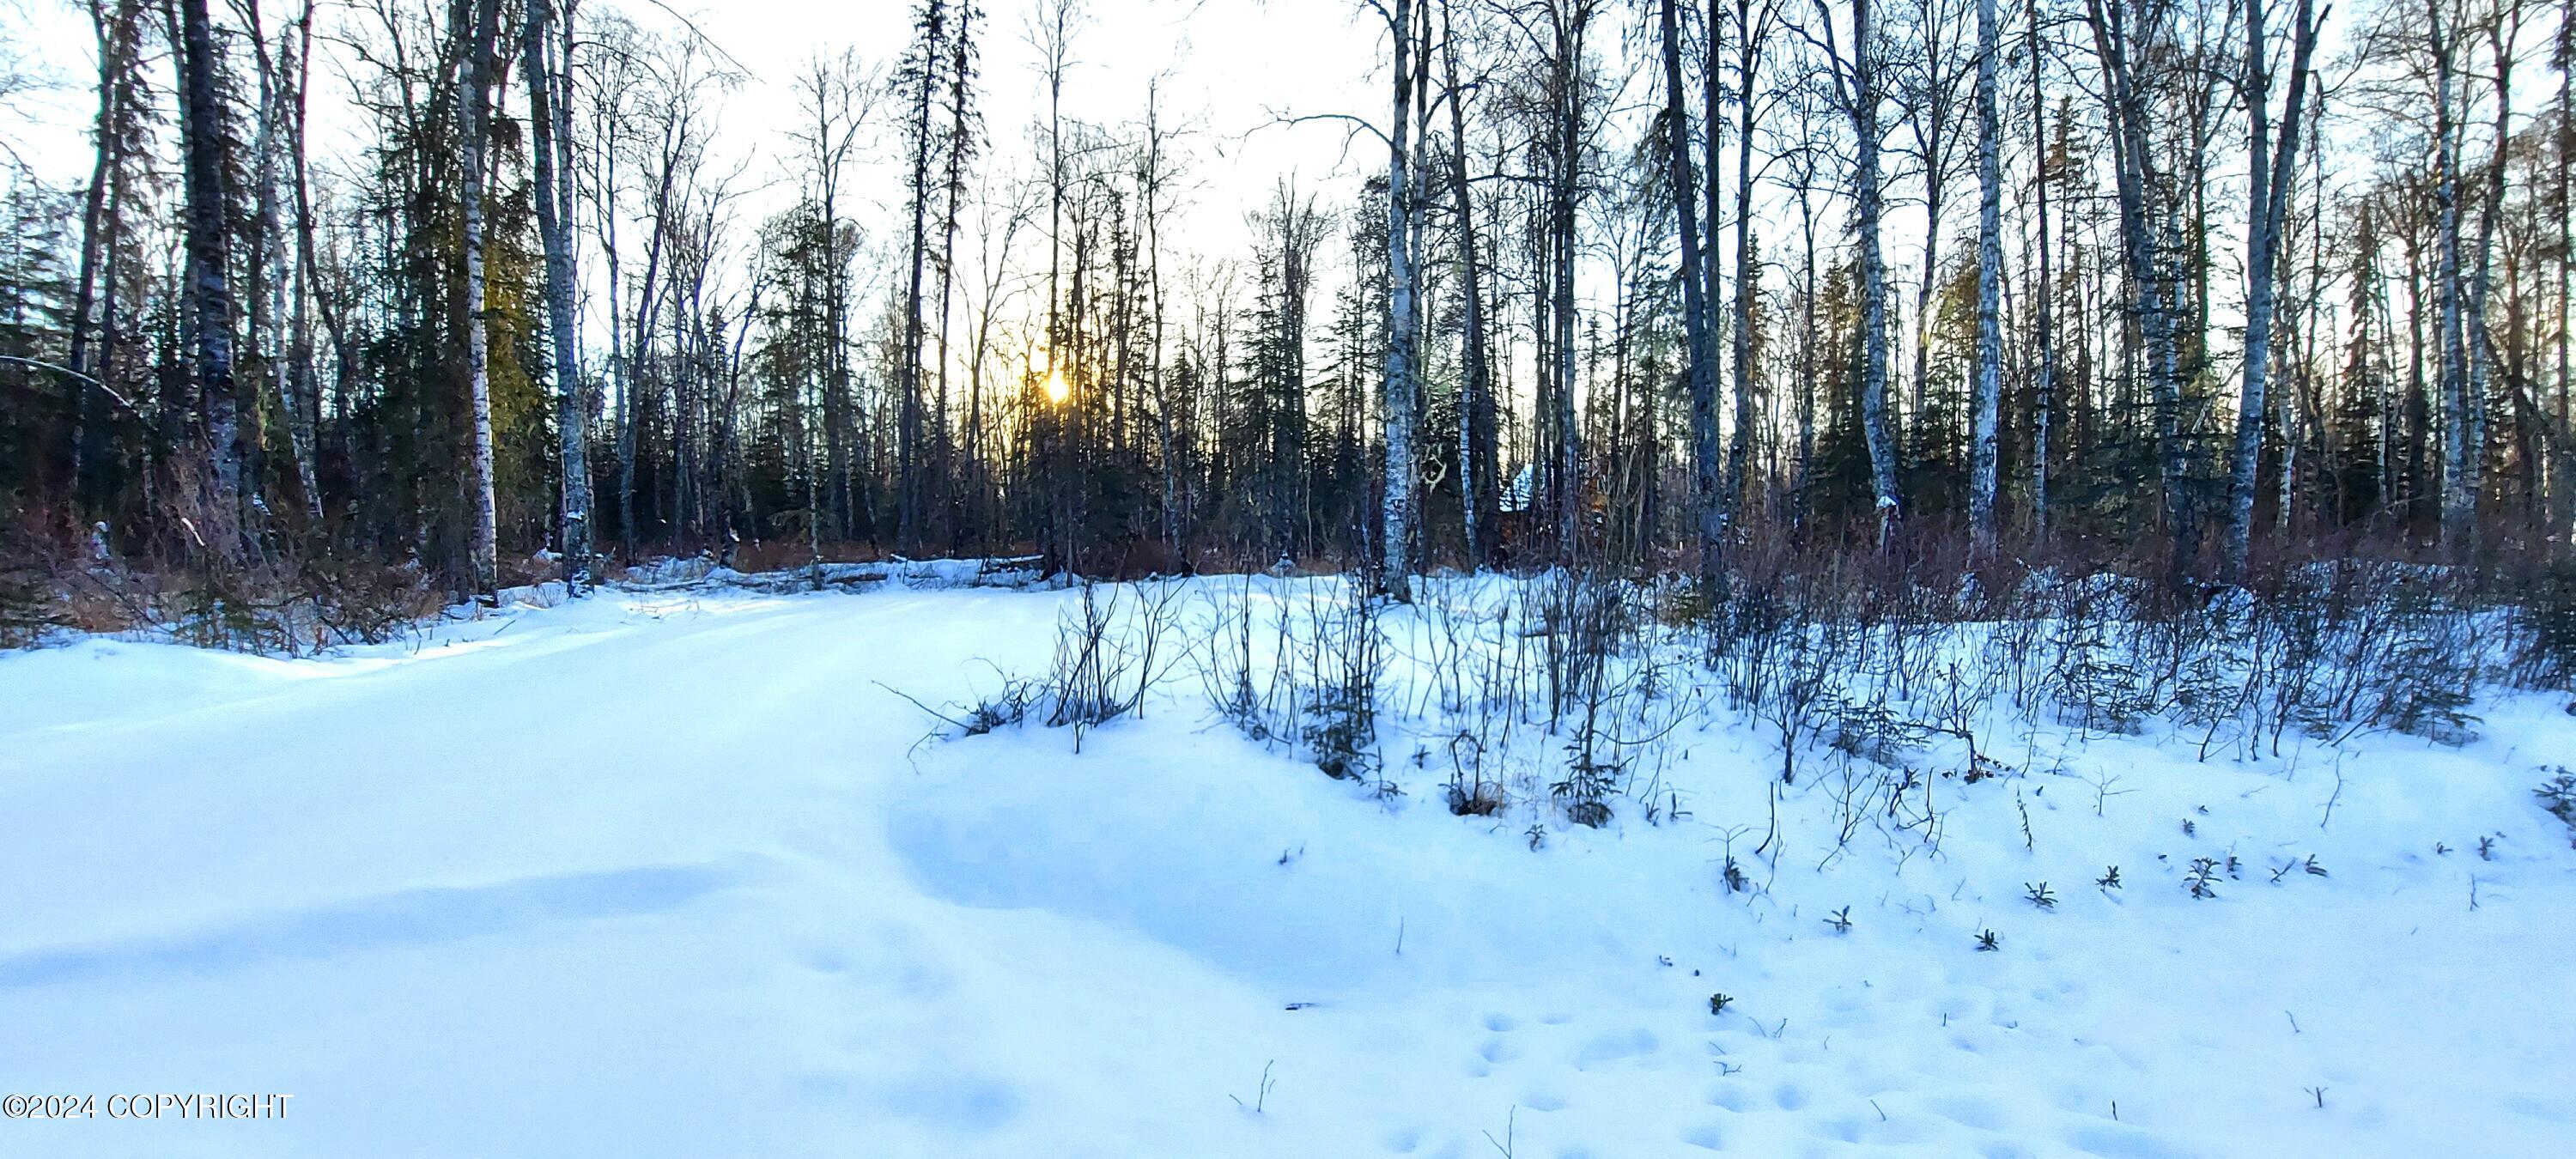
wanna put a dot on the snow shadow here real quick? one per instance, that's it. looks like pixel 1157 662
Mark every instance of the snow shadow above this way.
pixel 404 917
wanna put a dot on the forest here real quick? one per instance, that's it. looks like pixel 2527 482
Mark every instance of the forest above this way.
pixel 2185 289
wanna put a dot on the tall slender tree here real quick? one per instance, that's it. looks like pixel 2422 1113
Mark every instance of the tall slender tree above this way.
pixel 1711 501
pixel 2271 158
pixel 1984 456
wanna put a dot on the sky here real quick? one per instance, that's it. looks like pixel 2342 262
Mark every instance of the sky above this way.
pixel 1223 73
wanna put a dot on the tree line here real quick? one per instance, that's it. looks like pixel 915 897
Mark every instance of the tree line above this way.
pixel 2184 285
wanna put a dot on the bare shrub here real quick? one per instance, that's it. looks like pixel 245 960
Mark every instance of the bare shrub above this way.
pixel 1106 662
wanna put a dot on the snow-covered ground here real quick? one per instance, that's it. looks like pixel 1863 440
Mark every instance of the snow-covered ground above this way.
pixel 666 873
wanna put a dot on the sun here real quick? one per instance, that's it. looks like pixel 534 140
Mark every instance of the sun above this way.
pixel 1056 390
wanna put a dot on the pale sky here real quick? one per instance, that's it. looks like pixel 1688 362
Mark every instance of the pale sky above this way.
pixel 1224 68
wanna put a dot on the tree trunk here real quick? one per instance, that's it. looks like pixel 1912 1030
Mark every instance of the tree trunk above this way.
pixel 2270 164
pixel 1395 564
pixel 1702 351
pixel 1873 274
pixel 483 550
pixel 1984 458
pixel 2459 503
pixel 210 298
pixel 1748 275
pixel 549 83
pixel 1475 407
pixel 2118 48
pixel 934 18
pixel 2044 386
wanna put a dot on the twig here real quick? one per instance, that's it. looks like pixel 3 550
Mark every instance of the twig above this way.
pixel 917 704
pixel 1509 1123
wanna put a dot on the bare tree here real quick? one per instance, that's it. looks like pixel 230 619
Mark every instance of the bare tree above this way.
pixel 209 247
pixel 1855 80
pixel 2271 157
pixel 1397 405
pixel 482 44
pixel 1754 21
pixel 1702 367
pixel 1475 404
pixel 1988 404
pixel 832 95
pixel 2130 38
pixel 546 65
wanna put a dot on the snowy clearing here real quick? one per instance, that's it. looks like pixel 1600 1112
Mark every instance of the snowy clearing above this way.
pixel 664 873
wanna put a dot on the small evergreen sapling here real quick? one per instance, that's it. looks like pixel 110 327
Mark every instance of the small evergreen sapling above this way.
pixel 2559 797
pixel 2201 881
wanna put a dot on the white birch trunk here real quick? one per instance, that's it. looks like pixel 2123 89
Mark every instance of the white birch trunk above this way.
pixel 483 550
pixel 1397 498
pixel 1984 459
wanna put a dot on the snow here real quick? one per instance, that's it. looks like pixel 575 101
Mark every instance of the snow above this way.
pixel 673 872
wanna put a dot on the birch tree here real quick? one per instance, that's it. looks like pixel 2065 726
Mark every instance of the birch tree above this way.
pixel 546 69
pixel 2129 38
pixel 1397 406
pixel 2271 158
pixel 1988 403
pixel 1855 79
pixel 473 133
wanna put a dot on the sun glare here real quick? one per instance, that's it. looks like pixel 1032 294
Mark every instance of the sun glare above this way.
pixel 1056 390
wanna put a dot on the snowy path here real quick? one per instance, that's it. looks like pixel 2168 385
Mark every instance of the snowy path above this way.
pixel 657 876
